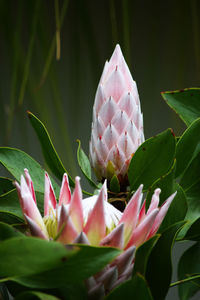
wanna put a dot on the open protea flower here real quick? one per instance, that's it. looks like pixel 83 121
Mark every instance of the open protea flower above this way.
pixel 93 221
pixel 117 127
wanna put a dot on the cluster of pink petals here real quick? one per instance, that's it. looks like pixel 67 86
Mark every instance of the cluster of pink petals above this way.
pixel 93 221
pixel 117 127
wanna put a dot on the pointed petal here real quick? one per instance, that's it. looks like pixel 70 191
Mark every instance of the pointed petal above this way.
pixel 127 104
pixel 65 193
pixel 107 111
pixel 35 229
pixel 116 56
pixel 141 232
pixel 102 149
pixel 75 207
pixel 98 128
pixel 131 212
pixel 66 228
pixel 99 99
pixel 154 201
pixel 126 145
pixel 134 135
pixel 95 227
pixel 124 260
pixel 28 204
pixel 81 239
pixel 49 195
pixel 142 212
pixel 115 238
pixel 117 157
pixel 104 73
pixel 30 184
pixel 162 213
pixel 108 278
pixel 115 85
pixel 120 121
pixel 110 136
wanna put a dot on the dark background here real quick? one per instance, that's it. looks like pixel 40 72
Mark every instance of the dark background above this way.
pixel 160 41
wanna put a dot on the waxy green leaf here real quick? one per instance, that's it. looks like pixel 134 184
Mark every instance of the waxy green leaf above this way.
pixel 15 161
pixel 136 288
pixel 188 147
pixel 142 255
pixel 11 218
pixel 191 175
pixel 55 265
pixel 6 185
pixel 9 203
pixel 165 183
pixel 186 103
pixel 7 232
pixel 51 157
pixel 193 232
pixel 84 164
pixel 159 260
pixel 193 212
pixel 189 265
pixel 152 160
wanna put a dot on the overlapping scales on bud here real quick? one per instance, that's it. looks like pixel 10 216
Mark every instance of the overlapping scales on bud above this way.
pixel 93 221
pixel 117 127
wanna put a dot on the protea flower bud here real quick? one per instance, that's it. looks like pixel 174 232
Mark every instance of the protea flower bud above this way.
pixel 117 127
pixel 93 221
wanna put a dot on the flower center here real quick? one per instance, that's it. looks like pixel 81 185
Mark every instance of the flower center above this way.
pixel 51 226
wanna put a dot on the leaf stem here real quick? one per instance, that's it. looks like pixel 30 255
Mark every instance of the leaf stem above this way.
pixel 184 280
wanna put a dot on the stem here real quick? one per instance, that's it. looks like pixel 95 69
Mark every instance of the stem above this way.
pixel 184 280
pixel 57 29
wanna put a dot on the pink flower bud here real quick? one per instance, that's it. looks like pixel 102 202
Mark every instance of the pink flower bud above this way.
pixel 117 127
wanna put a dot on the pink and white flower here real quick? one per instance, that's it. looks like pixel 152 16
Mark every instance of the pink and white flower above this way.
pixel 93 221
pixel 117 127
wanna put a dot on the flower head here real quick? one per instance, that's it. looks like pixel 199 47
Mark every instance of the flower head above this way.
pixel 117 127
pixel 93 221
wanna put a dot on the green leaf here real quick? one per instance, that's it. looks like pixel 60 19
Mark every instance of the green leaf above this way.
pixel 84 164
pixel 15 161
pixel 177 210
pixel 193 232
pixel 159 260
pixel 51 157
pixel 10 203
pixel 136 288
pixel 10 218
pixel 186 103
pixel 7 232
pixel 193 212
pixel 191 175
pixel 152 160
pixel 165 183
pixel 55 265
pixel 114 184
pixel 142 255
pixel 189 265
pixel 188 147
pixel 32 295
pixel 6 185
